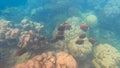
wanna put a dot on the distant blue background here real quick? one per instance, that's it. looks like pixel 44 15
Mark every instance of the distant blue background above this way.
pixel 11 3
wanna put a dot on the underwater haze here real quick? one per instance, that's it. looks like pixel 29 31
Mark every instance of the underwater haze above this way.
pixel 59 33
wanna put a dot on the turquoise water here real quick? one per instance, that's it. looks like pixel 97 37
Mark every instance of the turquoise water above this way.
pixel 40 20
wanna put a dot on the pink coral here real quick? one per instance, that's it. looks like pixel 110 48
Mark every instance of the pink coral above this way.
pixel 50 60
pixel 65 60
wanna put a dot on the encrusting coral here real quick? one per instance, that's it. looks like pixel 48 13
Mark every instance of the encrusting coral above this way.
pixel 50 60
pixel 106 56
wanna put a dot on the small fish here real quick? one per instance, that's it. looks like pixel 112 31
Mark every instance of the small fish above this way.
pixel 61 28
pixel 82 35
pixel 60 37
pixel 91 40
pixel 41 37
pixel 67 26
pixel 53 40
pixel 60 33
pixel 84 27
pixel 79 41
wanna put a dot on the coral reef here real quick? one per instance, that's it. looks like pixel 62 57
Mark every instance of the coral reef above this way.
pixel 73 37
pixel 91 20
pixel 29 40
pixel 106 56
pixel 50 60
pixel 21 34
pixel 65 60
pixel 76 40
pixel 75 29
pixel 7 32
pixel 60 32
pixel 13 33
pixel 26 38
pixel 5 24
pixel 27 25
pixel 9 35
pixel 26 43
pixel 2 35
pixel 81 51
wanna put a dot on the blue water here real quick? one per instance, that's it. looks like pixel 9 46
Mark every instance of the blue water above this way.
pixel 54 12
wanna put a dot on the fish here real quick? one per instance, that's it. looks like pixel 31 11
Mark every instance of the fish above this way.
pixel 67 26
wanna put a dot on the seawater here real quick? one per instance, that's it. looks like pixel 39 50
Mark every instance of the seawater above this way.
pixel 104 27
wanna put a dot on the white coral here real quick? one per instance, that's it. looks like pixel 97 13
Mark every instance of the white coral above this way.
pixel 25 39
pixel 5 23
pixel 12 33
pixel 27 24
pixel 2 35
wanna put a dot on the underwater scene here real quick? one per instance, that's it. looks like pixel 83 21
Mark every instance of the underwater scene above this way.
pixel 59 33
